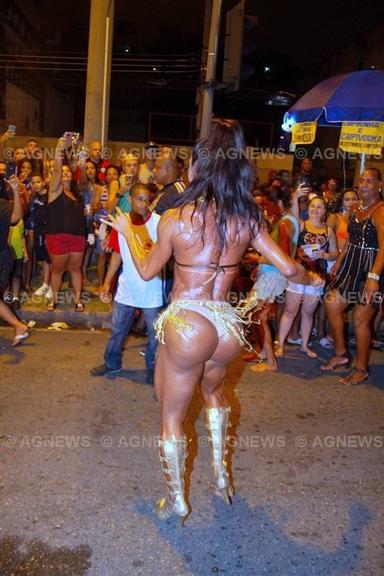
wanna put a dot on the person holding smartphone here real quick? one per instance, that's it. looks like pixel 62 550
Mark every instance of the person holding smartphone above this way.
pixel 66 226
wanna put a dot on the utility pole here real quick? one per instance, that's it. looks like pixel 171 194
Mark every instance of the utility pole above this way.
pixel 210 76
pixel 99 71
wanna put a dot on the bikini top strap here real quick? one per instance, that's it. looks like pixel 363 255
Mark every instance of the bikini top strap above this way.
pixel 217 269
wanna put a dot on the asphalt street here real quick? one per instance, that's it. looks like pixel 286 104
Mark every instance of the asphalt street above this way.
pixel 80 473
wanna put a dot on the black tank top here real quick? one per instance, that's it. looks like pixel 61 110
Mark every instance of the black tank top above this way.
pixel 66 216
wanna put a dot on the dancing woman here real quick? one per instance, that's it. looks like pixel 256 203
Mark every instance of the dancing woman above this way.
pixel 200 333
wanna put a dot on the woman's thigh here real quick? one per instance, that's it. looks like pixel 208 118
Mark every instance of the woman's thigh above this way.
pixel 310 303
pixel 293 301
pixel 75 260
pixel 334 303
pixel 60 262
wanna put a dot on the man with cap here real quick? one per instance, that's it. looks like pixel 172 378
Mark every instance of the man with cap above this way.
pixel 146 170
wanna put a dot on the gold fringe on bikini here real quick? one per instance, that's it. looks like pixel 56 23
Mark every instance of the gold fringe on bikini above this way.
pixel 223 315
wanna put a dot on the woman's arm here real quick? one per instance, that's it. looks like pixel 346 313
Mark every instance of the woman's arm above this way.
pixel 113 198
pixel 301 190
pixel 372 285
pixel 148 265
pixel 17 212
pixel 83 180
pixel 114 265
pixel 285 235
pixel 333 251
pixel 264 244
pixel 332 221
pixel 55 188
pixel 339 261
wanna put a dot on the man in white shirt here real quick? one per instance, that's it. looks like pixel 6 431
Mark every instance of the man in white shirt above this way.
pixel 132 292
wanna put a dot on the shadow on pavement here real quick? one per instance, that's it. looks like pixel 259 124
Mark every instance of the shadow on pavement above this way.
pixel 15 353
pixel 242 541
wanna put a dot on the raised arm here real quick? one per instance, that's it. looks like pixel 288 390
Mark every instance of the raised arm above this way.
pixel 113 198
pixel 55 188
pixel 6 140
pixel 17 212
pixel 301 190
pixel 148 265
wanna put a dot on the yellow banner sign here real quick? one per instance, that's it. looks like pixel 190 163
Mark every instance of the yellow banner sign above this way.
pixel 362 137
pixel 303 133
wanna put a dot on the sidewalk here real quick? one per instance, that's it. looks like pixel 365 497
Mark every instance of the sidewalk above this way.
pixel 95 315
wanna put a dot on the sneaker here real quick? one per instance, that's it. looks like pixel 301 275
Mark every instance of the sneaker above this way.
pixel 326 343
pixel 42 291
pixel 294 341
pixel 103 370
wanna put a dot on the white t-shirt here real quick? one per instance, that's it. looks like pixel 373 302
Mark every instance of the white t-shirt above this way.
pixel 132 290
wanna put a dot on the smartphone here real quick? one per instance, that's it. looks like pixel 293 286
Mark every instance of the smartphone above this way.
pixel 302 180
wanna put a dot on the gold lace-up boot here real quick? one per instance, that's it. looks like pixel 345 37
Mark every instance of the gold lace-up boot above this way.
pixel 173 453
pixel 217 423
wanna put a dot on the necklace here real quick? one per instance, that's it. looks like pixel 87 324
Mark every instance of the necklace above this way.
pixel 364 208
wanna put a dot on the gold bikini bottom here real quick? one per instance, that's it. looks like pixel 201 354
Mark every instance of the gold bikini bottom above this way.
pixel 223 316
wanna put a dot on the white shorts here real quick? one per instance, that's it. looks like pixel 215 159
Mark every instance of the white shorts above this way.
pixel 305 289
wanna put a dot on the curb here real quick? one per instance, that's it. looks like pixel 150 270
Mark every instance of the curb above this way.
pixel 73 319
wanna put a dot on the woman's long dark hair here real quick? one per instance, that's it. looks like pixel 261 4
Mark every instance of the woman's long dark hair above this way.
pixel 74 187
pixel 223 177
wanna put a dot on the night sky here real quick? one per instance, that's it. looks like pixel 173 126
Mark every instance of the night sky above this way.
pixel 293 39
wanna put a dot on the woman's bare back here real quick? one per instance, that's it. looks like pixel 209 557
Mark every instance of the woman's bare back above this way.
pixel 203 271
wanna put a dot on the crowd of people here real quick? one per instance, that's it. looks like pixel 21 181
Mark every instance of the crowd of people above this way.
pixel 65 199
pixel 294 253
pixel 336 234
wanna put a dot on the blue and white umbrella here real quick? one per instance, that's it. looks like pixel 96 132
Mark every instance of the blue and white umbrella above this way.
pixel 351 97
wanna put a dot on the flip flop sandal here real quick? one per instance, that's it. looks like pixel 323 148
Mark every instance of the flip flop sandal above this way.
pixel 279 351
pixel 79 307
pixel 333 363
pixel 262 367
pixel 20 337
pixel 353 380
pixel 51 307
pixel 309 353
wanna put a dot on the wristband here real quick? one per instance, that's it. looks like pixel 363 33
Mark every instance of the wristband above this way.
pixel 373 276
